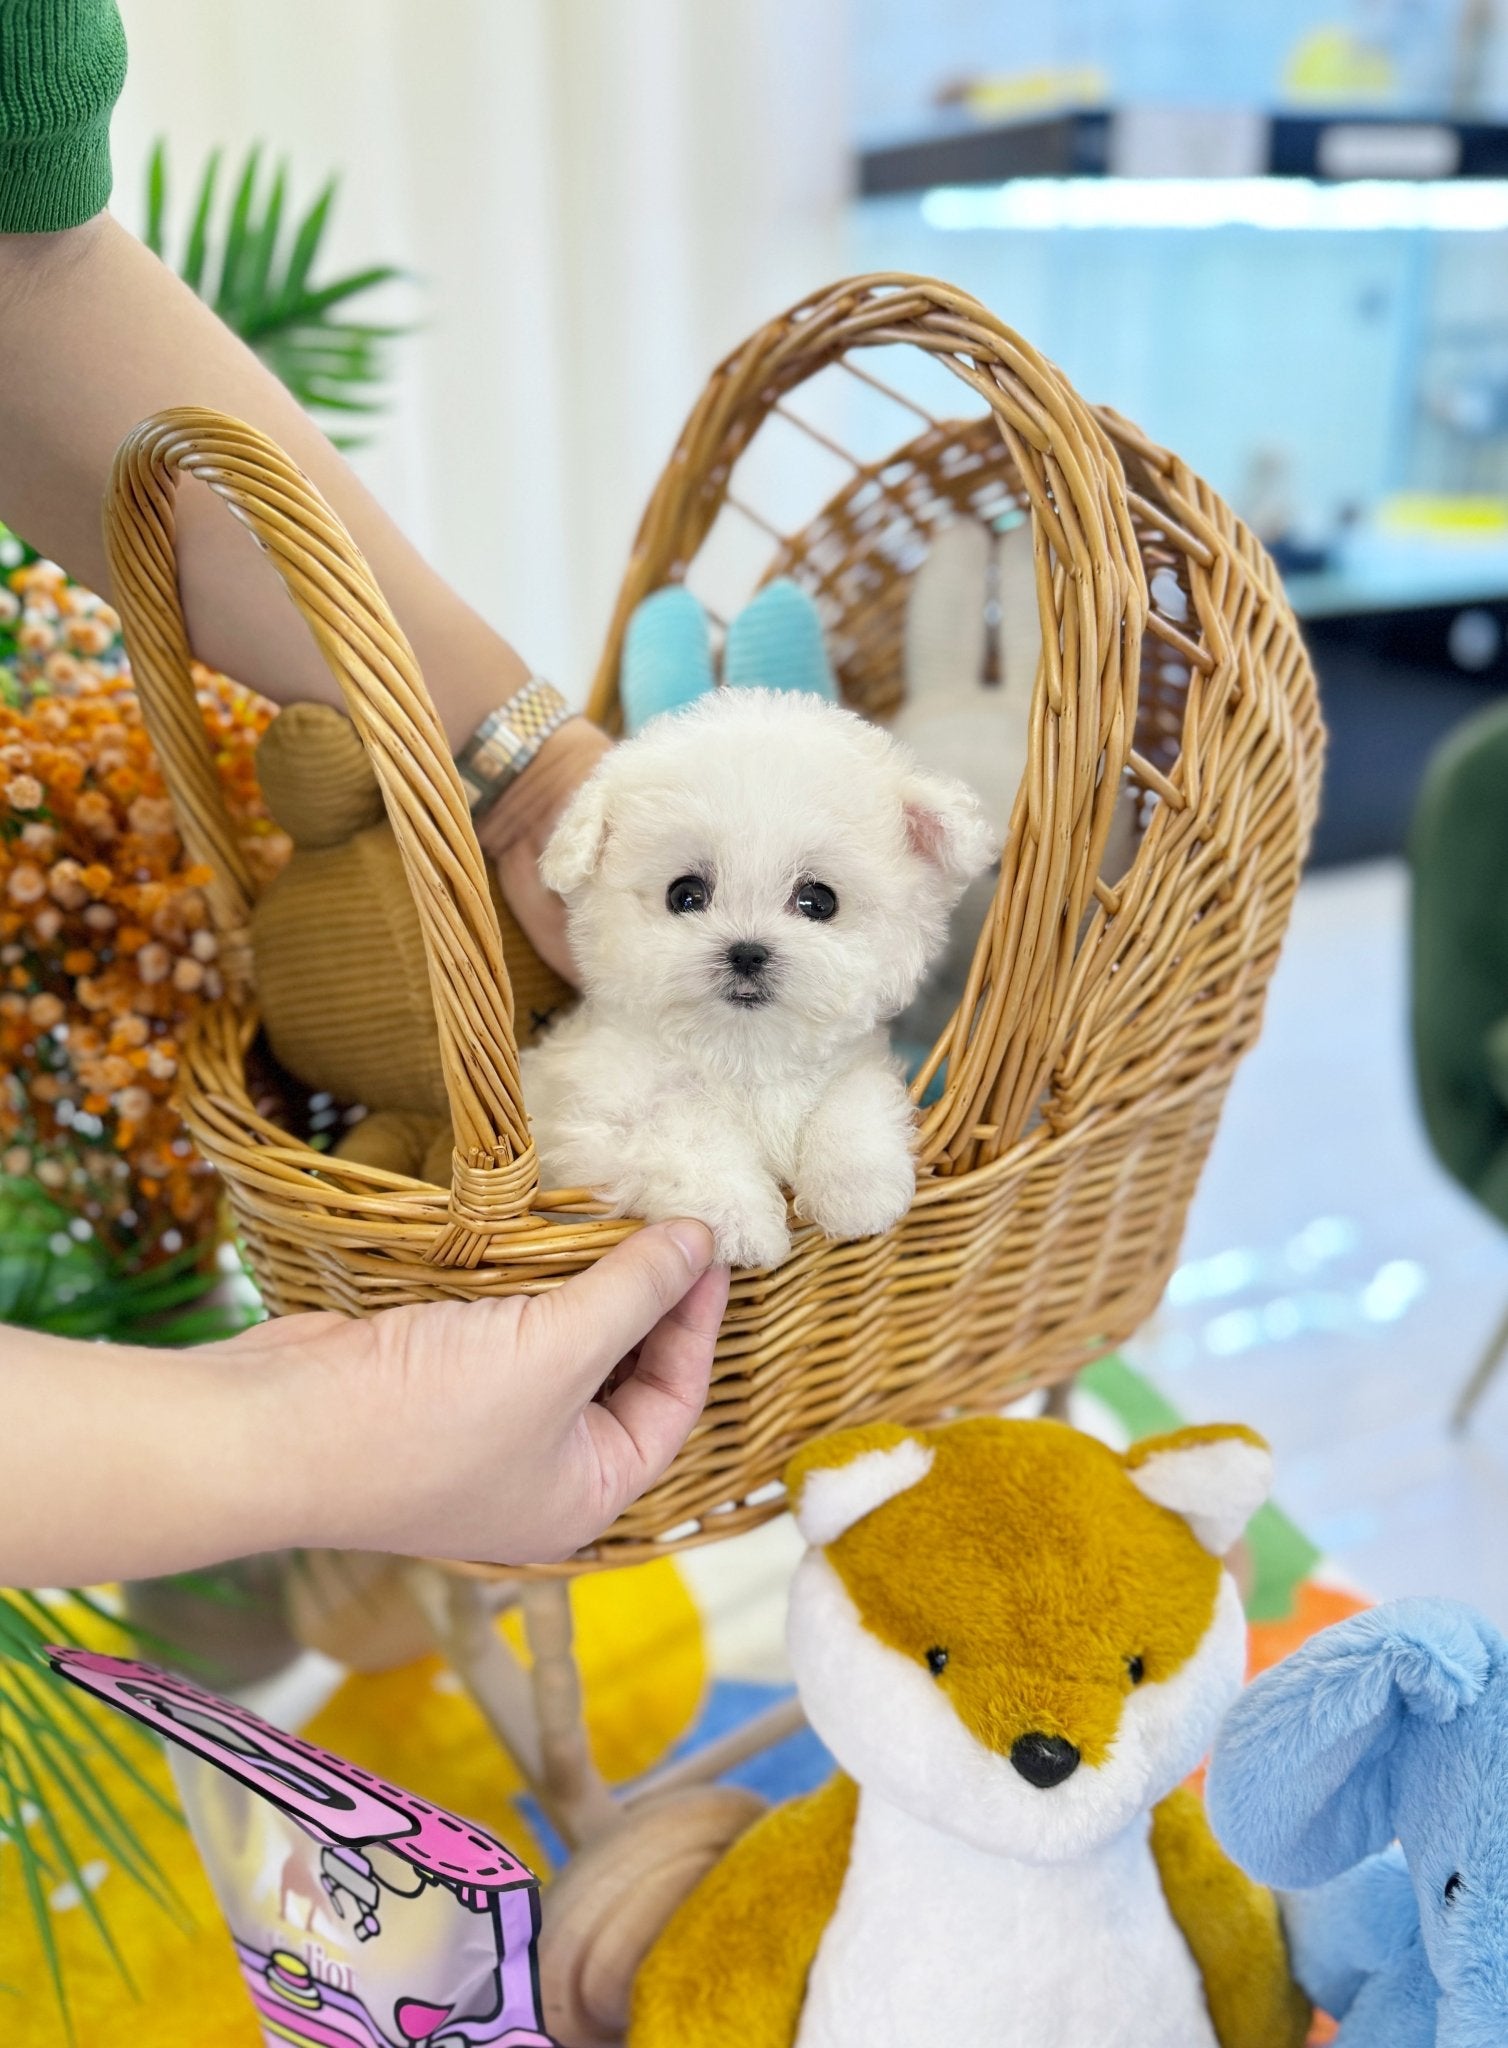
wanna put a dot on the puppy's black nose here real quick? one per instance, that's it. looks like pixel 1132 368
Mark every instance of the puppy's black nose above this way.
pixel 1044 1760
pixel 748 957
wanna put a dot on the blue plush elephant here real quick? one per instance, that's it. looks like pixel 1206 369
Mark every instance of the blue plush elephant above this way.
pixel 1370 1769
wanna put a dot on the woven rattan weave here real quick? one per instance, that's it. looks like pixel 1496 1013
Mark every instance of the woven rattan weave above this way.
pixel 1084 1070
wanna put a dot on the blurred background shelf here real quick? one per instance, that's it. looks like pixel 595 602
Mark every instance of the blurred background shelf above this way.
pixel 1276 235
pixel 1160 141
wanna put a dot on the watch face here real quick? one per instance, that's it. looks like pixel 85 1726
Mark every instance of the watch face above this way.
pixel 491 763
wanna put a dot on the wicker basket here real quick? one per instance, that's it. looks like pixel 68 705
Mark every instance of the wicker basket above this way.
pixel 1085 1068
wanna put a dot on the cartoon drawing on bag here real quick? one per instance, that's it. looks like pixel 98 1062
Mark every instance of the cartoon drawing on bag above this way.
pixel 362 1916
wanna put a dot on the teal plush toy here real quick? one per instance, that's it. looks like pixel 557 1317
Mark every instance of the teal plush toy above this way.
pixel 775 643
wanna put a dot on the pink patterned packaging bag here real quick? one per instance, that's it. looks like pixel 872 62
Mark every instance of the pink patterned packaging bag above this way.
pixel 362 1917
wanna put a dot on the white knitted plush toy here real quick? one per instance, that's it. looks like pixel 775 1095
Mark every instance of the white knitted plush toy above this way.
pixel 966 717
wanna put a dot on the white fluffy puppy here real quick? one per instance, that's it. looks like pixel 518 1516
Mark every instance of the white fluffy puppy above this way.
pixel 754 886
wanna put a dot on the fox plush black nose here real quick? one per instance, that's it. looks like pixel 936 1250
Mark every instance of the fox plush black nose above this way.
pixel 1044 1760
pixel 748 957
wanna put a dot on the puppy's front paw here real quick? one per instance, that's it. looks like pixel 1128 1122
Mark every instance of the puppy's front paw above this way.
pixel 752 1232
pixel 858 1192
pixel 745 1213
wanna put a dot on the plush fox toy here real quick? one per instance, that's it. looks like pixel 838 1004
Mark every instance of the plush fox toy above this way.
pixel 1017 1644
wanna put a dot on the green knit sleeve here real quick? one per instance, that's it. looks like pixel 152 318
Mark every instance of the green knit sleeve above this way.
pixel 62 65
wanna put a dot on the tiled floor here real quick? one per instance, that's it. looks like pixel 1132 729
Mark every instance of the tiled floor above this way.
pixel 1336 1287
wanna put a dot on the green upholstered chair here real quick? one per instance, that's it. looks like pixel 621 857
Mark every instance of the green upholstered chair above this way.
pixel 1459 971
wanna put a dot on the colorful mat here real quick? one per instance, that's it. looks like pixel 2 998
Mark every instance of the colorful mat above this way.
pixel 671 1654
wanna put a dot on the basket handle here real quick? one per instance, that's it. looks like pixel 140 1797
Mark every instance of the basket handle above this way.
pixel 495 1171
pixel 1092 595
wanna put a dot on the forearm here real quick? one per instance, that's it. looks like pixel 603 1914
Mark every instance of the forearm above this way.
pixel 97 334
pixel 125 1462
pixel 449 1429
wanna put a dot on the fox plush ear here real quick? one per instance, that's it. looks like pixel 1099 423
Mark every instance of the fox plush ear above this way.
pixel 575 846
pixel 1301 1783
pixel 839 1479
pixel 1216 1478
pixel 946 826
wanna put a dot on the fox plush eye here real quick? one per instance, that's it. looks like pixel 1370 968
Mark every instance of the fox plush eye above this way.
pixel 1455 1884
pixel 816 901
pixel 687 893
pixel 937 1662
pixel 1136 1670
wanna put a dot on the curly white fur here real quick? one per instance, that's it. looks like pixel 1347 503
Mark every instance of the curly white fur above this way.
pixel 688 1085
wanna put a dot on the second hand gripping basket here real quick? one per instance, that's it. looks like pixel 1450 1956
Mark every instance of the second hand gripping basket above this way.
pixel 1084 1070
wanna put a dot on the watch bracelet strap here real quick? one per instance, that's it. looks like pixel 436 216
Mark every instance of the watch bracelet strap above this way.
pixel 507 740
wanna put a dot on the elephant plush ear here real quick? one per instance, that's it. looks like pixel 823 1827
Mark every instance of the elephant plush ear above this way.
pixel 839 1479
pixel 1299 1785
pixel 1216 1477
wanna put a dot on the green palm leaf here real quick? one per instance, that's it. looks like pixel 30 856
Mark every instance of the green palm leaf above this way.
pixel 305 248
pixel 51 1281
pixel 264 289
pixel 32 1879
pixel 237 235
pixel 57 1755
pixel 198 241
pixel 67 1862
pixel 157 193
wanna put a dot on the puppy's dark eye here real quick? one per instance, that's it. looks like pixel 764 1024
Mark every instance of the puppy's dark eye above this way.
pixel 1455 1884
pixel 937 1662
pixel 1136 1670
pixel 816 901
pixel 687 892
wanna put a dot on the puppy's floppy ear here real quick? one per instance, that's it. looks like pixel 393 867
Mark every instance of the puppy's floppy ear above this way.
pixel 1301 1783
pixel 1215 1476
pixel 945 825
pixel 839 1479
pixel 575 846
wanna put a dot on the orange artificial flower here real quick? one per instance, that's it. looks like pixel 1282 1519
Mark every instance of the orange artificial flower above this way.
pixel 24 793
pixel 106 944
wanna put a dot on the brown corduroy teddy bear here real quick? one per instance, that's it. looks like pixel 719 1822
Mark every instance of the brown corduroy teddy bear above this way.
pixel 341 976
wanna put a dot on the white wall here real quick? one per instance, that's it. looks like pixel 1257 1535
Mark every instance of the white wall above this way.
pixel 597 197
